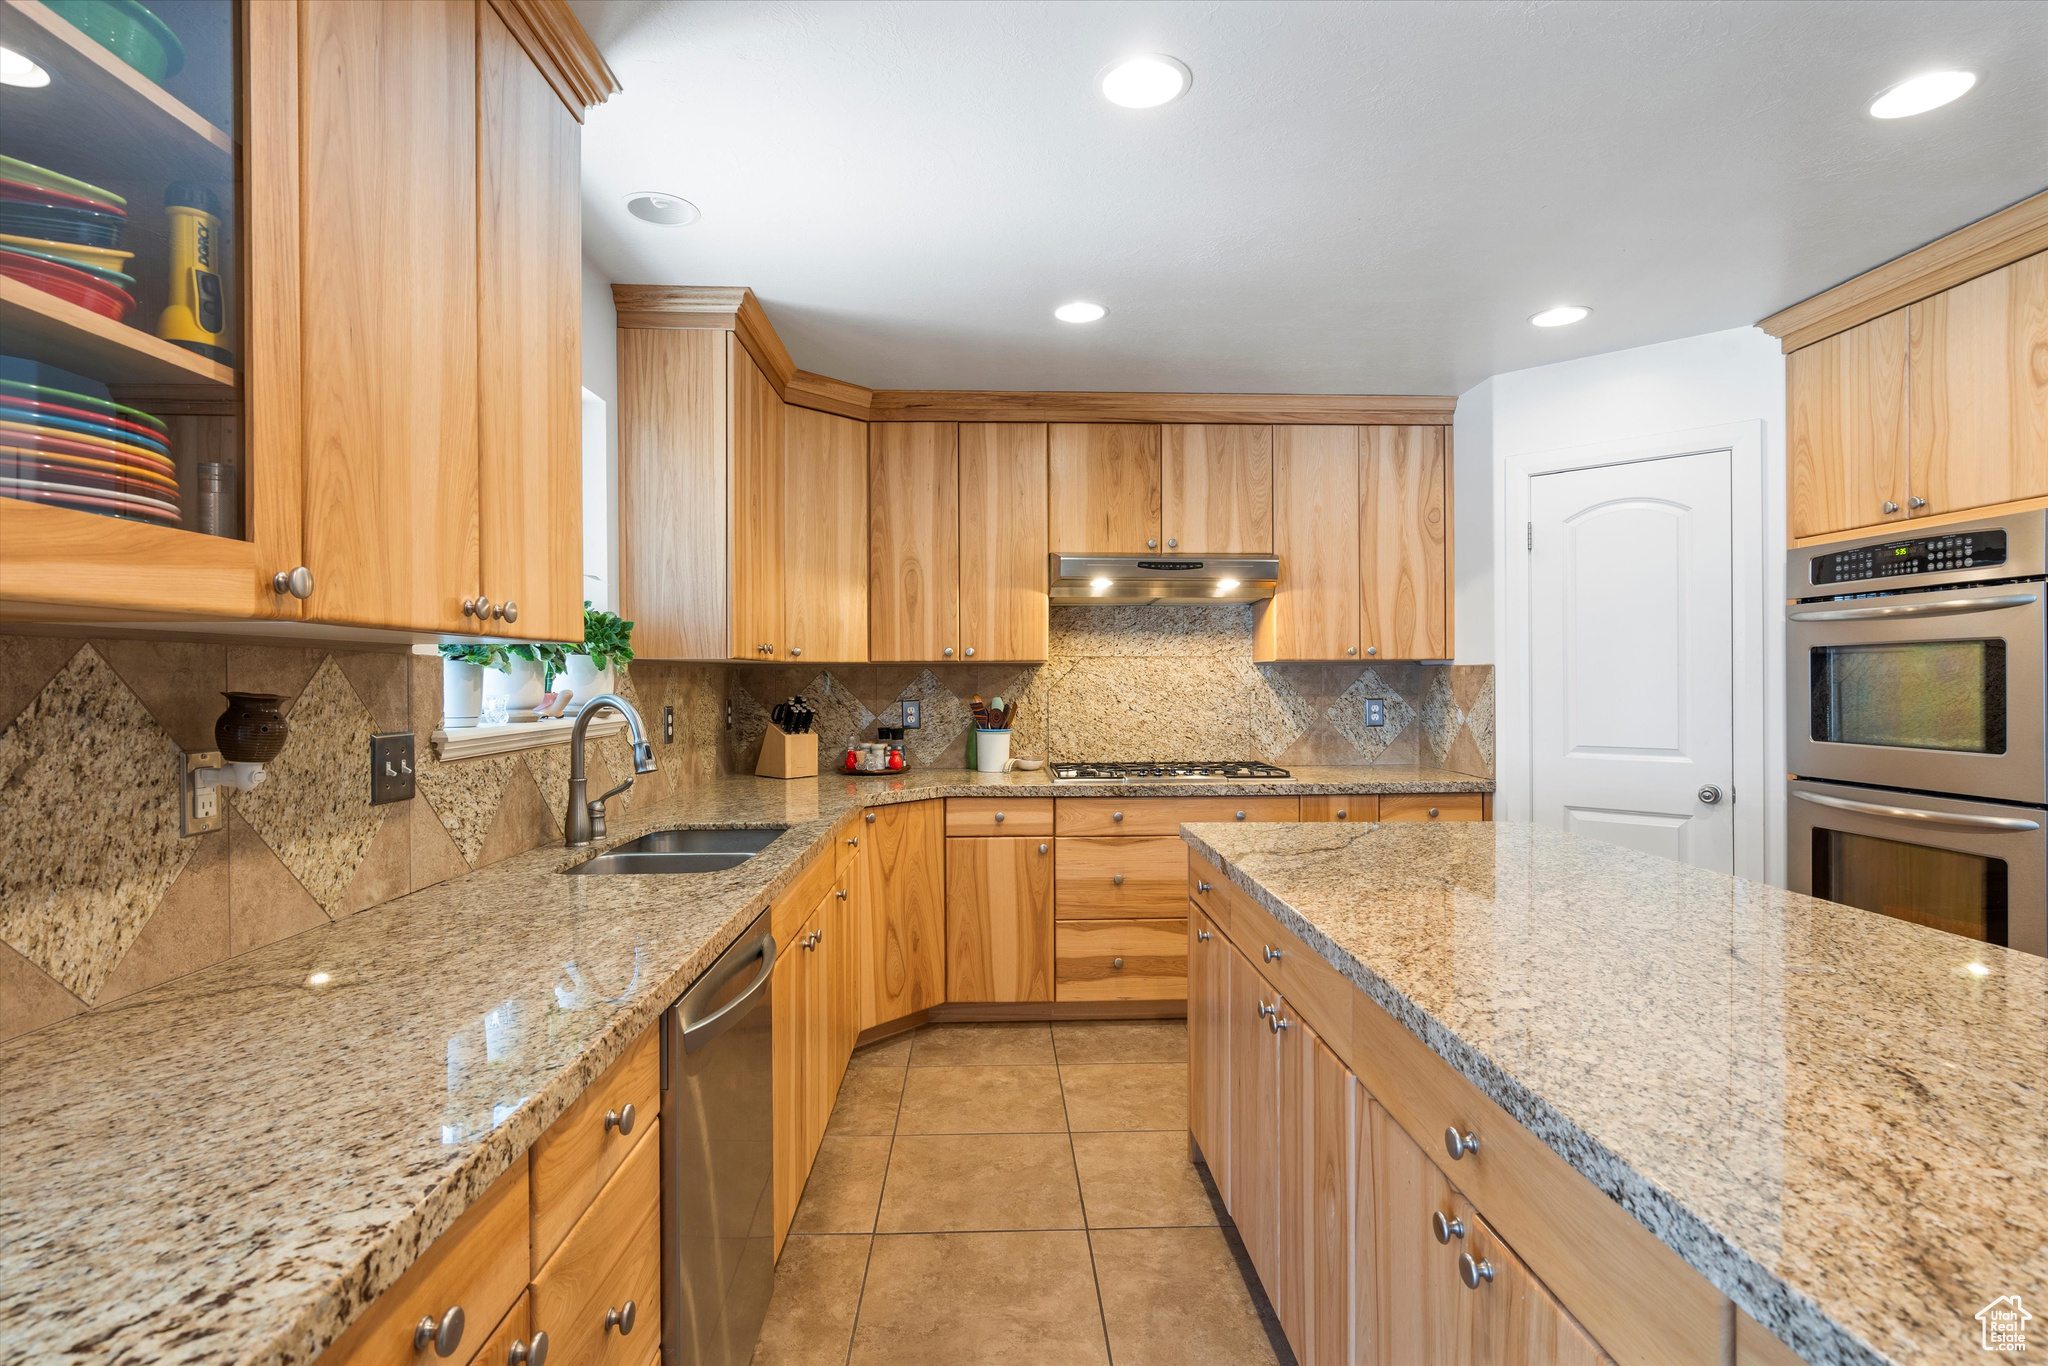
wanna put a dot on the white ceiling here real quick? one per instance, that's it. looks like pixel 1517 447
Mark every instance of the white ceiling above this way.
pixel 1352 198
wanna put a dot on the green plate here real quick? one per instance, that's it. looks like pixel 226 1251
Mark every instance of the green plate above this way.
pixel 129 31
pixel 47 179
pixel 86 401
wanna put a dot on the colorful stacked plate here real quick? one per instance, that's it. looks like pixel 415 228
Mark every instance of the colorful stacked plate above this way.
pixel 38 202
pixel 97 258
pixel 73 284
pixel 65 442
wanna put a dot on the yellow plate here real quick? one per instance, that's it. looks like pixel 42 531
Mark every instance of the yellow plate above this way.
pixel 106 258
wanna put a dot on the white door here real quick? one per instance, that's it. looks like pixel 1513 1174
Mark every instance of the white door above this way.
pixel 1631 653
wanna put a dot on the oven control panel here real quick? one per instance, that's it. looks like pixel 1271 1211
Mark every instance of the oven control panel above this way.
pixel 1923 555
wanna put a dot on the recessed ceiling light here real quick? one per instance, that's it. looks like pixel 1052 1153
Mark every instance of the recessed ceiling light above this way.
pixel 1564 315
pixel 1080 313
pixel 1919 94
pixel 655 206
pixel 1144 82
pixel 16 69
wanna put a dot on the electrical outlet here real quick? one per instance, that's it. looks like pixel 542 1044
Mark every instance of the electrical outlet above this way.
pixel 1375 712
pixel 391 777
pixel 913 715
pixel 728 713
pixel 668 725
pixel 201 807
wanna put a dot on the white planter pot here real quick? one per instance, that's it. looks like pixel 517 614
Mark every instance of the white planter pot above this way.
pixel 586 682
pixel 462 693
pixel 519 690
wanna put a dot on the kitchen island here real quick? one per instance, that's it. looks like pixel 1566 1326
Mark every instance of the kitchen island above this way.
pixel 1833 1118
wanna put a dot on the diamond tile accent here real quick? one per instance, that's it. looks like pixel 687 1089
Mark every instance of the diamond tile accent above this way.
pixel 841 716
pixel 1480 721
pixel 86 758
pixel 1347 713
pixel 944 716
pixel 314 809
pixel 1440 717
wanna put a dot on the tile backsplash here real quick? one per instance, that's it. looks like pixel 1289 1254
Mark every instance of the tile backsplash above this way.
pixel 1136 683
pixel 99 895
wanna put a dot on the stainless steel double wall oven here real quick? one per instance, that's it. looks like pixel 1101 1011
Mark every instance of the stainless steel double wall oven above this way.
pixel 1917 727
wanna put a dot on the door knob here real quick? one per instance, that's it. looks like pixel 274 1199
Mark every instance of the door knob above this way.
pixel 1202 936
pixel 970 652
pixel 1372 649
pixel 1710 794
pixel 1116 962
pixel 1273 955
pixel 298 582
pixel 1116 879
pixel 1041 848
pixel 511 611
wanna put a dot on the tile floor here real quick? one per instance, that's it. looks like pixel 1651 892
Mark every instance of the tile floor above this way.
pixel 1015 1193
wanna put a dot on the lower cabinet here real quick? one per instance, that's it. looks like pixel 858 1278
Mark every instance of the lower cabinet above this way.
pixel 999 922
pixel 1120 960
pixel 814 995
pixel 599 1297
pixel 903 932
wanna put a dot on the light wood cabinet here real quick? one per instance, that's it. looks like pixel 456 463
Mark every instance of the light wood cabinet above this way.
pixel 1315 613
pixel 611 1258
pixel 1004 607
pixel 757 441
pixel 1255 1154
pixel 1216 489
pixel 824 537
pixel 789 989
pixel 1404 536
pixel 1433 806
pixel 999 816
pixel 1137 816
pixel 1846 429
pixel 914 541
pixel 999 918
pixel 1977 400
pixel 1209 955
pixel 815 1023
pixel 1511 1316
pixel 1318 1100
pixel 590 1140
pixel 1100 878
pixel 1105 495
pixel 673 484
pixel 1412 1304
pixel 1361 807
pixel 903 926
pixel 1120 960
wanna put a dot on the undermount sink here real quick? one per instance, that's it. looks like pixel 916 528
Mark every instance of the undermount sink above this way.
pixel 682 851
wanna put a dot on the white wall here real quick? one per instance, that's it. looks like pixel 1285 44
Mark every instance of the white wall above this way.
pixel 601 377
pixel 1648 391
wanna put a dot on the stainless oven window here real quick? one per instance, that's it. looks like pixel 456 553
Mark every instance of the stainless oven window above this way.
pixel 1943 889
pixel 1933 694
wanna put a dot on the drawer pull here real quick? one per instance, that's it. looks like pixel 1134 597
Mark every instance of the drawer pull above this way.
pixel 1446 1229
pixel 1116 815
pixel 622 1319
pixel 1342 813
pixel 1432 813
pixel 842 894
pixel 999 818
pixel 1044 849
pixel 443 1336
pixel 1471 1272
pixel 1116 879
pixel 622 1120
pixel 853 843
pixel 1240 815
pixel 1459 1144
pixel 1273 955
pixel 1202 936
pixel 1201 886
pixel 1116 962
pixel 870 818
pixel 1276 1024
pixel 533 1353
pixel 1264 1010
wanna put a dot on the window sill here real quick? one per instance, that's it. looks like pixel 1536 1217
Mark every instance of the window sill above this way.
pixel 478 742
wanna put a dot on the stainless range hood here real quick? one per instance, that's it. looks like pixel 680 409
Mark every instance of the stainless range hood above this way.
pixel 1121 580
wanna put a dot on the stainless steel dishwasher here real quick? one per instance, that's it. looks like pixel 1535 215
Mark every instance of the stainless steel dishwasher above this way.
pixel 717 1186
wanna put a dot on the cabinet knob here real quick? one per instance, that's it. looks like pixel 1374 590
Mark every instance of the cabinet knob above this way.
pixel 1264 1010
pixel 1201 936
pixel 1457 1144
pixel 622 1319
pixel 1445 1229
pixel 853 842
pixel 1342 813
pixel 1201 886
pixel 1240 815
pixel 1372 649
pixel 999 818
pixel 1890 506
pixel 870 816
pixel 1172 543
pixel 1350 649
pixel 1916 502
pixel 969 652
pixel 1043 848
pixel 533 1353
pixel 1152 544
pixel 1276 1024
pixel 1471 1272
pixel 1116 962
pixel 795 650
pixel 1273 955
pixel 298 583
pixel 1432 813
pixel 511 611
pixel 842 894
pixel 948 652
pixel 1116 879
pixel 811 941
pixel 1116 816
pixel 444 1335
pixel 622 1120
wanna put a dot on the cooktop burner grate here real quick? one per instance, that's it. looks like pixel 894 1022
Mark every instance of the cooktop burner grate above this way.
pixel 1178 772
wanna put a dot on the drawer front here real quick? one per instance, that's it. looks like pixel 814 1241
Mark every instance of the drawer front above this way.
pixel 794 906
pixel 1165 815
pixel 1363 807
pixel 1121 960
pixel 993 816
pixel 580 1151
pixel 1318 992
pixel 1153 874
pixel 612 1257
pixel 1433 806
pixel 480 1265
pixel 845 844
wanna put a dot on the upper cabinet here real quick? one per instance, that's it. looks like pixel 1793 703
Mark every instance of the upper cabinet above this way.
pixel 1845 445
pixel 756 451
pixel 1003 566
pixel 250 403
pixel 1404 540
pixel 824 535
pixel 1216 488
pixel 1315 613
pixel 1104 487
pixel 1977 390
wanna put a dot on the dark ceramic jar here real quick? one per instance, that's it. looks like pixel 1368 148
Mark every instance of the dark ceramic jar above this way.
pixel 252 729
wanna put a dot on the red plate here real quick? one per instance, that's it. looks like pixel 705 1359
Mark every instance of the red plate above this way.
pixel 25 410
pixel 89 502
pixel 72 286
pixel 43 438
pixel 35 194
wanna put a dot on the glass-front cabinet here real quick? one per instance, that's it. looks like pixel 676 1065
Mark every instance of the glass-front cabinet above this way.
pixel 289 312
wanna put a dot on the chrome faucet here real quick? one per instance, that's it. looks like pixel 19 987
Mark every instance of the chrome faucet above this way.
pixel 585 819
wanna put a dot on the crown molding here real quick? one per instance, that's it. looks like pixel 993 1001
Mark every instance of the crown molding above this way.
pixel 2014 232
pixel 556 43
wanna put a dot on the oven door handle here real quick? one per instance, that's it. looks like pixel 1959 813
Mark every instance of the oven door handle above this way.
pixel 2010 824
pixel 1929 607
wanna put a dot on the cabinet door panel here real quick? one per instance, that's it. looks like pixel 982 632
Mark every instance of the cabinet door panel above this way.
pixel 1315 613
pixel 529 296
pixel 787 992
pixel 1978 403
pixel 1255 1120
pixel 1846 428
pixel 1404 578
pixel 1104 487
pixel 757 509
pixel 1416 1312
pixel 673 473
pixel 1004 607
pixel 903 932
pixel 999 942
pixel 1216 489
pixel 913 540
pixel 825 537
pixel 1513 1319
pixel 389 312
pixel 1209 955
pixel 821 1080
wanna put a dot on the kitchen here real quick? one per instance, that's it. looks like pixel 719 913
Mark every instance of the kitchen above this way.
pixel 1106 821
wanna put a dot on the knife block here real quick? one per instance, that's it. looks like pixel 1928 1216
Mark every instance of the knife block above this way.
pixel 788 756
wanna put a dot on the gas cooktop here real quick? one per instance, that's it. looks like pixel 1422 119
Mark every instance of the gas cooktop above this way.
pixel 1170 773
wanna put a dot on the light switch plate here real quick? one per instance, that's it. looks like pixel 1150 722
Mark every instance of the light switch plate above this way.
pixel 391 776
pixel 1375 712
pixel 913 715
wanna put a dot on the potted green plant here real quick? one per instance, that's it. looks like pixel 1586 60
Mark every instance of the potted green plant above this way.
pixel 516 680
pixel 462 684
pixel 607 648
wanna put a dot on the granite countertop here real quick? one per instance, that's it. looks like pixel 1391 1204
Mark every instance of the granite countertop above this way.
pixel 1831 1114
pixel 228 1167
